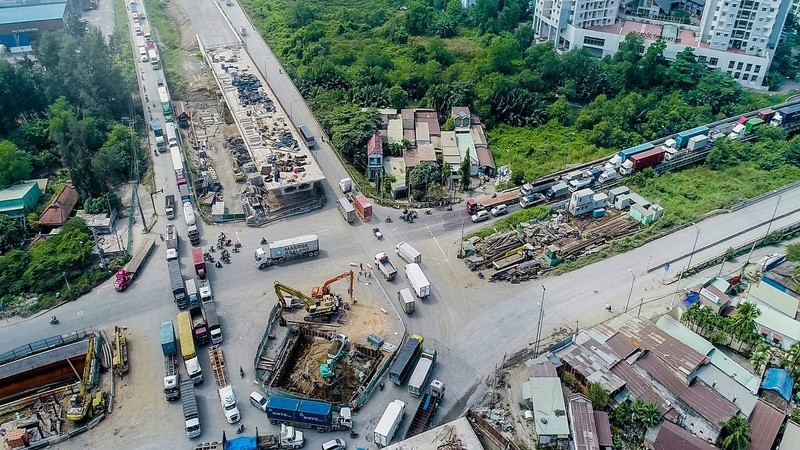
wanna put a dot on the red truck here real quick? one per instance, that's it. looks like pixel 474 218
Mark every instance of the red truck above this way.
pixel 363 207
pixel 199 262
pixel 126 275
pixel 507 198
pixel 648 158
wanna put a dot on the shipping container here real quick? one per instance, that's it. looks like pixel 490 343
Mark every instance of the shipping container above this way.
pixel 347 210
pixel 168 346
pixel 419 282
pixel 766 114
pixel 408 253
pixel 390 421
pixel 647 159
pixel 407 302
pixel 628 152
pixel 752 125
pixel 682 138
pixel 212 320
pixel 786 116
pixel 698 142
pixel 363 207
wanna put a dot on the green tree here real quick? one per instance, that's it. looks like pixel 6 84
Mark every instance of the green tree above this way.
pixel 12 267
pixel 793 252
pixel 743 323
pixel 418 18
pixel 465 171
pixel 398 97
pixel 70 136
pixel 421 178
pixel 735 434
pixel 20 95
pixel 561 111
pixel 598 395
pixel 101 205
pixel 388 179
pixel 113 162
pixel 791 360
pixel 15 165
pixel 645 415
pixel 761 356
pixel 12 233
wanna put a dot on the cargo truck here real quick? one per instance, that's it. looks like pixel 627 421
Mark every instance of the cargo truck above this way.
pixel 308 414
pixel 178 287
pixel 204 286
pixel 188 351
pixel 194 234
pixel 286 249
pixel 386 267
pixel 608 176
pixel 408 253
pixel 289 438
pixel 557 190
pixel 532 199
pixel 577 185
pixel 507 198
pixel 698 142
pixel 158 132
pixel 363 207
pixel 786 116
pixel 642 160
pixel 536 187
pixel 172 376
pixel 407 302
pixel 169 206
pixel 406 358
pixel 346 185
pixel 172 240
pixel 190 413
pixel 188 213
pixel 127 274
pixel 682 138
pixel 212 320
pixel 226 397
pixel 416 384
pixel 307 135
pixel 199 262
pixel 199 327
pixel 390 421
pixel 420 283
pixel 426 409
pixel 347 210
pixel 766 115
pixel 183 190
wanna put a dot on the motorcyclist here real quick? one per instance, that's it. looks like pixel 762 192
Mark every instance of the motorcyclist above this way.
pixel 54 319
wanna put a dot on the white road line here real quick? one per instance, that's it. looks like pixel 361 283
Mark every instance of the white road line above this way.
pixel 427 227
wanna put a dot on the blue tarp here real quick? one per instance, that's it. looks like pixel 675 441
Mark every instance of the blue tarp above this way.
pixel 241 443
pixel 778 380
pixel 691 299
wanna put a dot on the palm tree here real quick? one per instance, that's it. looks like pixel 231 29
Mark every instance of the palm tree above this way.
pixel 736 433
pixel 791 359
pixel 705 319
pixel 691 315
pixel 650 415
pixel 743 323
pixel 760 357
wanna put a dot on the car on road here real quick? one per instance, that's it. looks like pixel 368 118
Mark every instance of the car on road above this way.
pixel 377 233
pixel 335 444
pixel 258 400
pixel 499 210
pixel 480 216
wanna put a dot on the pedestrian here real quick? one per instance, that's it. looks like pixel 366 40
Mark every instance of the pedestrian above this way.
pixel 161 236
pixel 360 266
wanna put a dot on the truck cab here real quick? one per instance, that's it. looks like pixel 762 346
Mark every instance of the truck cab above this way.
pixel 228 401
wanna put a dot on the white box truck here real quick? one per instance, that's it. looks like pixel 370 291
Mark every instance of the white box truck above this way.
pixel 419 378
pixel 420 283
pixel 407 303
pixel 389 423
pixel 409 253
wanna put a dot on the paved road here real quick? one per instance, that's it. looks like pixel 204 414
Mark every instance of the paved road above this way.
pixel 471 322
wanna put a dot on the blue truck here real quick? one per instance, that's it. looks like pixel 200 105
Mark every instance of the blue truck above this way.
pixel 308 414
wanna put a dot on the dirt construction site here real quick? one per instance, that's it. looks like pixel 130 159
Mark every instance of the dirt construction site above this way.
pixel 356 343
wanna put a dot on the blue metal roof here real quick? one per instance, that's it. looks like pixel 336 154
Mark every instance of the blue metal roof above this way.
pixel 32 13
pixel 778 380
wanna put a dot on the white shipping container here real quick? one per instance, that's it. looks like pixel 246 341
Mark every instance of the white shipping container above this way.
pixel 409 253
pixel 416 384
pixel 420 283
pixel 390 421
pixel 406 300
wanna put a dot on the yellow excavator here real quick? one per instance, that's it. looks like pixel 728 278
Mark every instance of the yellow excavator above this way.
pixel 324 290
pixel 79 403
pixel 319 310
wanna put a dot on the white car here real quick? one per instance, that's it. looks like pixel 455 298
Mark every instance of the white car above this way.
pixel 335 444
pixel 258 400
pixel 480 216
pixel 499 210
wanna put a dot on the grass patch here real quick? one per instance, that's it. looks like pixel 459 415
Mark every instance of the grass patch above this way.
pixel 168 35
pixel 123 58
pixel 509 222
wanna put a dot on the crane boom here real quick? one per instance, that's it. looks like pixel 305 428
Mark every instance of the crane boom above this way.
pixel 322 291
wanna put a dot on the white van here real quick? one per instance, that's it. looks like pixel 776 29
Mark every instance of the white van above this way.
pixel 499 210
pixel 138 30
pixel 143 54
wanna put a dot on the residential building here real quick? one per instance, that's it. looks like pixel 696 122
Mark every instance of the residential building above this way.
pixel 397 167
pixel 766 295
pixel 546 397
pixel 586 435
pixel 765 423
pixel 711 294
pixel 672 437
pixel 470 134
pixel 585 201
pixel 375 157
pixel 777 387
pixel 777 329
pixel 735 36
pixel 59 211
pixel 791 436
pixel 20 199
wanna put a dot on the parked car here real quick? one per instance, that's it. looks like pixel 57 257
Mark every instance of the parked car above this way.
pixel 258 400
pixel 480 216
pixel 499 210
pixel 335 444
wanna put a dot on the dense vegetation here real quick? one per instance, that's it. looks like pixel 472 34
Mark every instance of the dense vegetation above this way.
pixel 61 120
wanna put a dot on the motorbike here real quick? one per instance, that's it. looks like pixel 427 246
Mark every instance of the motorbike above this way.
pixel 209 258
pixel 211 249
pixel 380 385
pixel 480 275
pixel 428 212
pixel 449 207
pixel 240 430
pixel 236 250
pixel 388 219
pixel 54 320
pixel 353 434
pixel 218 264
pixel 263 241
pixel 226 260
pixel 237 245
pixel 219 245
pixel 228 243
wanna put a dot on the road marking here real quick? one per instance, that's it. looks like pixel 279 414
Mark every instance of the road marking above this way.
pixel 437 243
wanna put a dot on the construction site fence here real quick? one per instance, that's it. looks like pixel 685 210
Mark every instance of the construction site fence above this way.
pixel 42 345
pixel 376 380
pixel 484 426
pixel 265 341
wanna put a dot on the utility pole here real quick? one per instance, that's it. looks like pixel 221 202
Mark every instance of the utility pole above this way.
pixel 539 325
pixel 633 281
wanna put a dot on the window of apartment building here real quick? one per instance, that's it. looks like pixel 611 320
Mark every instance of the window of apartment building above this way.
pixel 737 75
pixel 714 61
pixel 594 41
pixel 739 66
pixel 730 64
pixel 745 77
pixel 701 58
pixel 748 68
pixel 757 69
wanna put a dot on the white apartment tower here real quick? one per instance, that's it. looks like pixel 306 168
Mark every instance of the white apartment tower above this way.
pixel 736 36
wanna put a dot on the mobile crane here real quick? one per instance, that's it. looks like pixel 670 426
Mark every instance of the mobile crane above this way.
pixel 79 403
pixel 320 310
pixel 324 290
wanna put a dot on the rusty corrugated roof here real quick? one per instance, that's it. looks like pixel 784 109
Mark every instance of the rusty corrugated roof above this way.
pixel 765 422
pixel 638 387
pixel 676 354
pixel 584 429
pixel 673 437
pixel 603 429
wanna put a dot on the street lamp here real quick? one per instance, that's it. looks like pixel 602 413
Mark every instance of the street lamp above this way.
pixel 691 255
pixel 633 282
pixel 539 325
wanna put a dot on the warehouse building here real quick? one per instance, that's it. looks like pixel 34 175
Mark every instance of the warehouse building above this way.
pixel 22 21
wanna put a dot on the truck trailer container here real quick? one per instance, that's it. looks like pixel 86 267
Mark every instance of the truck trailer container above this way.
pixel 426 409
pixel 190 413
pixel 168 345
pixel 502 198
pixel 406 358
pixel 641 160
pixel 386 267
pixel 199 327
pixel 363 207
pixel 188 350
pixel 682 138
pixel 766 115
pixel 698 142
pixel 752 125
pixel 406 300
pixel 408 253
pixel 786 116
pixel 176 281
pixel 419 282
pixel 628 152
pixel 169 206
pixel 172 240
pixel 557 190
pixel 172 136
pixel 422 371
pixel 289 438
pixel 158 133
pixel 199 262
pixel 191 293
pixel 308 414
pixel 286 249
pixel 212 320
pixel 390 421
pixel 172 376
pixel 347 210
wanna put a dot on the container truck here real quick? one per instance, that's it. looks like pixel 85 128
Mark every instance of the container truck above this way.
pixel 226 397
pixel 308 414
pixel 347 210
pixel 532 199
pixel 158 133
pixel 682 138
pixel 286 249
pixel 346 185
pixel 288 438
pixel 199 327
pixel 199 262
pixel 416 384
pixel 608 176
pixel 628 152
pixel 176 282
pixel 363 207
pixel 766 115
pixel 426 409
pixel 641 160
pixel 204 287
pixel 407 303
pixel 191 292
pixel 188 213
pixel 557 190
pixel 190 413
pixel 214 328
pixel 172 376
pixel 385 266
pixel 786 116
pixel 698 142
pixel 752 125
pixel 420 283
pixel 390 421
pixel 508 198
pixel 408 253
pixel 127 274
pixel 188 351
pixel 405 360
pixel 183 190
pixel 172 240
pixel 169 206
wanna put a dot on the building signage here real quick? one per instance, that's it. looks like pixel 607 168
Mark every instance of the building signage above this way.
pixel 709 295
pixel 656 37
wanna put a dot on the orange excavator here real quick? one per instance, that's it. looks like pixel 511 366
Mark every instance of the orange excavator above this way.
pixel 324 290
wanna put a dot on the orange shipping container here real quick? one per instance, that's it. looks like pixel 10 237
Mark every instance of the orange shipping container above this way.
pixel 363 207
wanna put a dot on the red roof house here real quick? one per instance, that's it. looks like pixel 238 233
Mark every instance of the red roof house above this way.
pixel 59 211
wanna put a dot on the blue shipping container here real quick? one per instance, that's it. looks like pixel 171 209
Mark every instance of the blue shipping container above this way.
pixel 168 339
pixel 628 152
pixel 789 114
pixel 316 413
pixel 682 138
pixel 282 408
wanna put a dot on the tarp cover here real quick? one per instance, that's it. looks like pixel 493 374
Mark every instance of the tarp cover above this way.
pixel 241 443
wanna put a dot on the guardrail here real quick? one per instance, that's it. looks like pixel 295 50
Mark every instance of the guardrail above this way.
pixel 43 345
